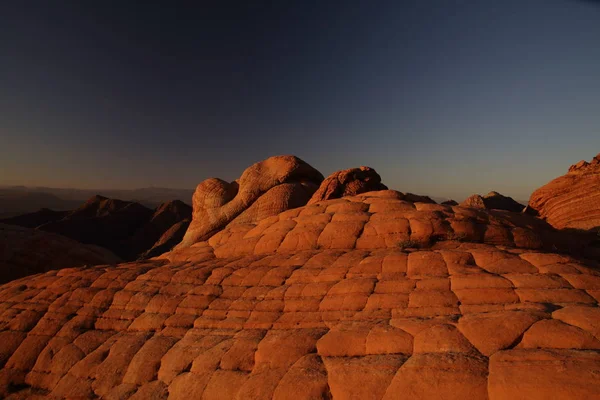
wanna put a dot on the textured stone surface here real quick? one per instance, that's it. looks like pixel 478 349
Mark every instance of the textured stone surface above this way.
pixel 264 189
pixel 370 296
pixel 349 182
pixel 571 200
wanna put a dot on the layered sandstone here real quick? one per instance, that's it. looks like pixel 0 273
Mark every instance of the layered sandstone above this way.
pixel 572 200
pixel 378 295
pixel 323 301
pixel 264 189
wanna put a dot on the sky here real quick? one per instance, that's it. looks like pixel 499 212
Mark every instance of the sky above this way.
pixel 442 97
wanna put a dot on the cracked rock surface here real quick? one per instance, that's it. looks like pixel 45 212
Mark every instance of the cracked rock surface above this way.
pixel 367 297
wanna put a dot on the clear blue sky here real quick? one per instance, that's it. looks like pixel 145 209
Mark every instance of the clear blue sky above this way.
pixel 441 97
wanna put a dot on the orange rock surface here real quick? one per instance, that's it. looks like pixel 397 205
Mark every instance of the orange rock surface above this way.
pixel 264 189
pixel 348 182
pixel 572 200
pixel 375 295
pixel 331 300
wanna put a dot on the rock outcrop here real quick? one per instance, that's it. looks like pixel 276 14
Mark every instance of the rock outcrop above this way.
pixel 379 220
pixel 348 182
pixel 164 218
pixel 493 201
pixel 372 296
pixel 572 200
pixel 322 301
pixel 168 240
pixel 264 189
pixel 25 251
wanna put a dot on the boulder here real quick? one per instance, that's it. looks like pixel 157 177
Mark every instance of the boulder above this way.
pixel 493 201
pixel 348 182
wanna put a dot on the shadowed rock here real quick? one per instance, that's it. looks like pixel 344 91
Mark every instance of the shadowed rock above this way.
pixel 165 216
pixel 168 240
pixel 493 201
pixel 449 203
pixel 35 219
pixel 125 228
pixel 25 251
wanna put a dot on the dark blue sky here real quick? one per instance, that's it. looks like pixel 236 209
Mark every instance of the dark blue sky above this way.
pixel 443 97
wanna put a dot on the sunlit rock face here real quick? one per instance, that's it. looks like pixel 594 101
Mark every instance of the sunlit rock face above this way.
pixel 571 200
pixel 348 182
pixel 368 295
pixel 264 189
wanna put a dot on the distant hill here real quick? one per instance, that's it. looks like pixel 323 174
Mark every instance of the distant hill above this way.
pixel 17 200
pixel 20 201
pixel 127 228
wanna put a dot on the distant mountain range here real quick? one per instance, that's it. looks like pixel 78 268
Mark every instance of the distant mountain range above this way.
pixel 128 229
pixel 17 200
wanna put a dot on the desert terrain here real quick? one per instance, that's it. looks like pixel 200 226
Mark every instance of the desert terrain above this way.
pixel 285 284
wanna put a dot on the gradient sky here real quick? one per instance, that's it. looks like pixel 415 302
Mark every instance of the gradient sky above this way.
pixel 445 97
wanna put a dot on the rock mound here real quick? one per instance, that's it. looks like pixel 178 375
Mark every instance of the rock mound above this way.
pixel 493 201
pixel 572 200
pixel 264 189
pixel 372 296
pixel 332 306
pixel 25 251
pixel 348 182
pixel 378 220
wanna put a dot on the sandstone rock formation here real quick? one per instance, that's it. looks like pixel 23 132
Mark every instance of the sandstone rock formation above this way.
pixel 125 228
pixel 493 201
pixel 572 200
pixel 25 251
pixel 348 182
pixel 318 302
pixel 379 295
pixel 264 189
